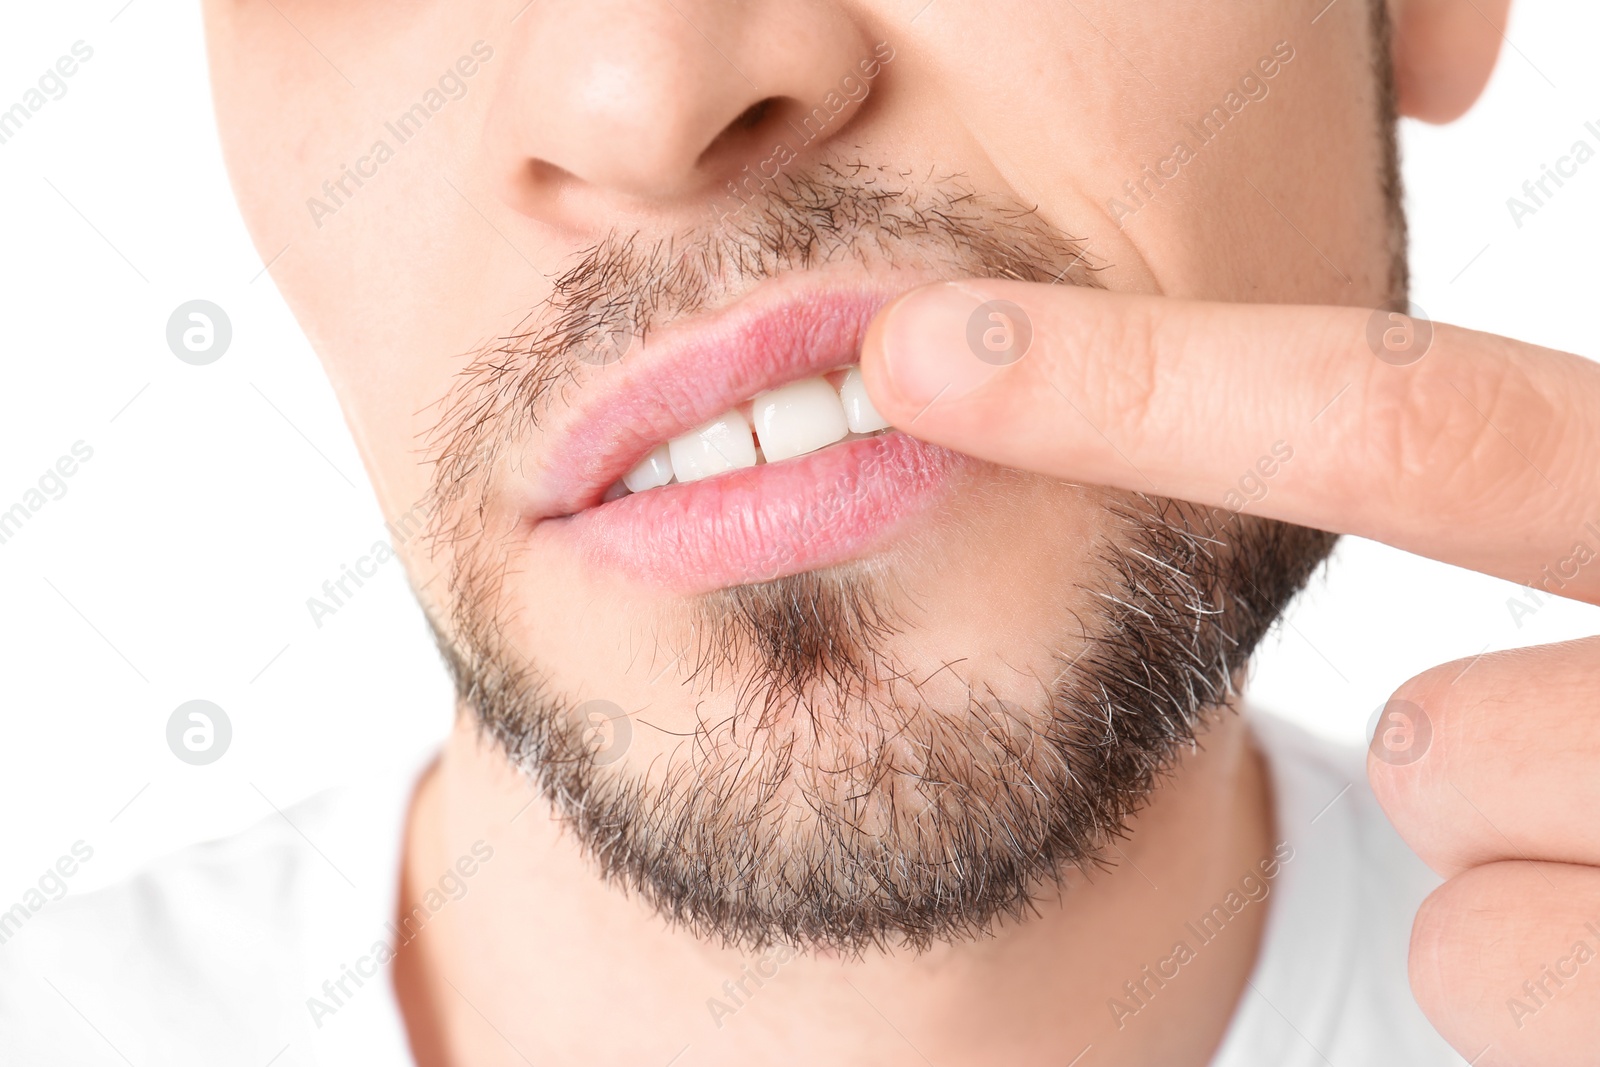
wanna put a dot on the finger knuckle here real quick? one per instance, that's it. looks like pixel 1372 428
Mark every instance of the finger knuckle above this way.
pixel 1475 435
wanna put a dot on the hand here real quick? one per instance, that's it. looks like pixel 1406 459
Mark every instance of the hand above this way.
pixel 1466 447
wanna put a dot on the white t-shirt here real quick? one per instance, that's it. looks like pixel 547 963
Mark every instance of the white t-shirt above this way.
pixel 263 948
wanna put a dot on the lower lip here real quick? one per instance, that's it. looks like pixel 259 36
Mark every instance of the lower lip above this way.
pixel 768 521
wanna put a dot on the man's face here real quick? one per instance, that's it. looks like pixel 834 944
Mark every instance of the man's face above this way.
pixel 851 692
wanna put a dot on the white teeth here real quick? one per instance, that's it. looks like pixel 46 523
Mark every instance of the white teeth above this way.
pixel 720 445
pixel 858 409
pixel 790 421
pixel 651 471
pixel 798 418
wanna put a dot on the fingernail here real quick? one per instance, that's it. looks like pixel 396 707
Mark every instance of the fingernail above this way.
pixel 943 341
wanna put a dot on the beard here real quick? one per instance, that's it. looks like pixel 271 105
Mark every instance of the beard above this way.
pixel 837 800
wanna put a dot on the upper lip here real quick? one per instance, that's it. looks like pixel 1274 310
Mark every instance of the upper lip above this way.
pixel 694 370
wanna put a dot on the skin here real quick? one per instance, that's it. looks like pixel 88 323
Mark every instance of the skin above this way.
pixel 612 114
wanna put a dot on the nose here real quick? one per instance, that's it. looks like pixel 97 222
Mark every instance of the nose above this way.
pixel 660 100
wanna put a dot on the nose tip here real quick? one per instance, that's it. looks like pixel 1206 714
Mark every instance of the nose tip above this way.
pixel 635 129
pixel 654 102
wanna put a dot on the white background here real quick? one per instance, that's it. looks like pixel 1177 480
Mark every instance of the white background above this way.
pixel 219 498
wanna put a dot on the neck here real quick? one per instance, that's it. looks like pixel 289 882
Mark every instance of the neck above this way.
pixel 536 960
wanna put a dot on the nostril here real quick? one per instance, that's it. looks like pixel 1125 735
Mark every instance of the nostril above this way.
pixel 738 134
pixel 753 115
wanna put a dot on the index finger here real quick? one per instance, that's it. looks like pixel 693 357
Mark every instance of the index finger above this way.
pixel 1466 447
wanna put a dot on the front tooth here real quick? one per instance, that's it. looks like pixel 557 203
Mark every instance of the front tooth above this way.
pixel 798 418
pixel 858 409
pixel 720 445
pixel 651 471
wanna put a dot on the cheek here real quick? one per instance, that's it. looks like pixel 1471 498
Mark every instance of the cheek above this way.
pixel 404 278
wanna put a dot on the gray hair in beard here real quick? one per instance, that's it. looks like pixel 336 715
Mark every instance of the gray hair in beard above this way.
pixel 835 805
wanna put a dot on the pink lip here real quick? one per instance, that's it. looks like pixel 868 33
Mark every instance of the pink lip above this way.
pixel 746 525
pixel 764 522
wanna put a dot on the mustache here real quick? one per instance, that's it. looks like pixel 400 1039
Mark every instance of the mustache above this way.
pixel 628 284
